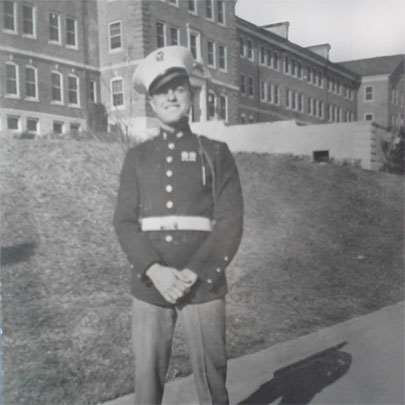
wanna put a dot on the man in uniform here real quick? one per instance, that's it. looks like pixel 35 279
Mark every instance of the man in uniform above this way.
pixel 178 218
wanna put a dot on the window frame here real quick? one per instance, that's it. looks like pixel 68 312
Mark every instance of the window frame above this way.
pixel 110 37
pixel 195 11
pixel 34 21
pixel 13 116
pixel 197 34
pixel 214 56
pixel 93 96
pixel 177 30
pixel 76 36
pixel 369 114
pixel 112 80
pixel 221 5
pixel 223 57
pixel 15 19
pixel 214 105
pixel 70 104
pixel 17 80
pixel 250 87
pixel 242 84
pixel 60 75
pixel 366 95
pixel 34 119
pixel 59 29
pixel 220 98
pixel 35 70
pixel 250 54
pixel 62 127
pixel 242 47
pixel 211 7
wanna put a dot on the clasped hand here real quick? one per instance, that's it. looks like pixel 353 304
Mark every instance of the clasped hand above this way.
pixel 172 284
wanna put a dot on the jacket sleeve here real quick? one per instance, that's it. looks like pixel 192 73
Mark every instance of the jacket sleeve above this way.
pixel 213 256
pixel 134 243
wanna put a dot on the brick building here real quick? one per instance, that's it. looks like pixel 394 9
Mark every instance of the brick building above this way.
pixel 381 96
pixel 66 63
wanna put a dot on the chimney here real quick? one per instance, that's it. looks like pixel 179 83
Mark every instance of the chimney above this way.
pixel 321 50
pixel 280 29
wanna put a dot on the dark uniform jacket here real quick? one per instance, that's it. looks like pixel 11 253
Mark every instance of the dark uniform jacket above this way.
pixel 188 175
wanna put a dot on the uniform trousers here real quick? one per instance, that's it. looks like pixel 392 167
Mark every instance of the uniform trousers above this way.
pixel 152 334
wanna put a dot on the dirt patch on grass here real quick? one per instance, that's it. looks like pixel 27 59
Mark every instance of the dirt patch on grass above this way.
pixel 321 244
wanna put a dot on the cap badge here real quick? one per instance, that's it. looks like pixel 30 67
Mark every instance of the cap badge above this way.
pixel 160 56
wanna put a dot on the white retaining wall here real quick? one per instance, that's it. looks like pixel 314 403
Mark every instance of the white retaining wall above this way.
pixel 355 142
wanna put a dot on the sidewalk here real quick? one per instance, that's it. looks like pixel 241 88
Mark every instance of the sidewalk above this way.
pixel 367 369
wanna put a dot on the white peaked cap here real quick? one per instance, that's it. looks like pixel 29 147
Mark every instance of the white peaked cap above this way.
pixel 161 62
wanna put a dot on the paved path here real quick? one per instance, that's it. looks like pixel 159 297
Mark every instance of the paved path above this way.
pixel 367 369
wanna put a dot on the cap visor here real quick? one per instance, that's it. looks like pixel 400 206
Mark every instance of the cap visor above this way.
pixel 166 78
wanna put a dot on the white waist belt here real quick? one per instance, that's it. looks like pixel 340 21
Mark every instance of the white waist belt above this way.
pixel 176 222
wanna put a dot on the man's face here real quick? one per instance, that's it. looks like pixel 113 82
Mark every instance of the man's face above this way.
pixel 172 101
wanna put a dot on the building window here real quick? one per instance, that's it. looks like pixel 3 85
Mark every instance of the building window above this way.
pixel 288 98
pixel 32 125
pixel 269 58
pixel 251 89
pixel 293 68
pixel 211 53
pixel 276 59
pixel 294 100
pixel 12 80
pixel 54 28
pixel 222 57
pixel 194 44
pixel 262 90
pixel 309 106
pixel 192 7
pixel 117 92
pixel 242 119
pixel 223 115
pixel 57 127
pixel 29 23
pixel 299 70
pixel 74 128
pixel 241 47
pixel 270 89
pixel 73 90
pixel 57 87
pixel 160 35
pixel 93 91
pixel 242 84
pixel 208 9
pixel 300 102
pixel 31 82
pixel 249 49
pixel 262 55
pixel 71 32
pixel 369 117
pixel 286 65
pixel 174 36
pixel 10 16
pixel 114 35
pixel 13 122
pixel 211 106
pixel 321 109
pixel 276 94
pixel 174 2
pixel 221 11
pixel 369 93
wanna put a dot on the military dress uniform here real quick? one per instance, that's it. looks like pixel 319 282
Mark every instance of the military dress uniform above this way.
pixel 180 204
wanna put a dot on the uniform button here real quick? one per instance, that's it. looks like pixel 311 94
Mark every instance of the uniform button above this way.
pixel 139 276
pixel 169 173
pixel 168 238
pixel 226 258
pixel 169 159
pixel 169 204
pixel 169 188
pixel 171 146
pixel 209 281
pixel 179 134
pixel 219 270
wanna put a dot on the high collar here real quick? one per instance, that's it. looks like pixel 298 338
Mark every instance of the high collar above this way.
pixel 182 128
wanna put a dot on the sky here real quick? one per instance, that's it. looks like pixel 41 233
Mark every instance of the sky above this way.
pixel 355 29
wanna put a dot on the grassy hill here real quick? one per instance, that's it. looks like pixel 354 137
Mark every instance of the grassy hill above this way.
pixel 322 244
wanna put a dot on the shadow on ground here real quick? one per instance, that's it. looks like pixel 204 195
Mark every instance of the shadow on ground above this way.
pixel 299 382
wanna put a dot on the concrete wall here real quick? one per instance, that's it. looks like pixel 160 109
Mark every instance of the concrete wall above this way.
pixel 356 142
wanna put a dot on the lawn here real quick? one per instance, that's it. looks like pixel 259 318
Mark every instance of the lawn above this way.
pixel 322 244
